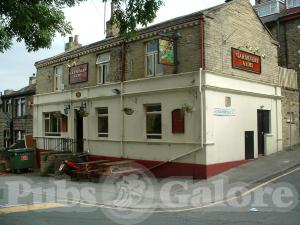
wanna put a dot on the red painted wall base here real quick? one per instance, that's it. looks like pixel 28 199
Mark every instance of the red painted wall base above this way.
pixel 161 169
pixel 168 169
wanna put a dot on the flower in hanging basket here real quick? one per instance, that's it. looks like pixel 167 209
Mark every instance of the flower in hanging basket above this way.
pixel 83 113
pixel 188 108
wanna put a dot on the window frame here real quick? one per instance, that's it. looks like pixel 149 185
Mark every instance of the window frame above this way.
pixel 102 63
pixel 268 7
pixel 99 117
pixel 153 136
pixel 6 138
pixel 290 117
pixel 155 60
pixel 48 116
pixel 58 78
pixel 19 135
pixel 295 3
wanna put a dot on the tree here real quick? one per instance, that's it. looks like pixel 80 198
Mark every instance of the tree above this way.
pixel 36 22
pixel 127 14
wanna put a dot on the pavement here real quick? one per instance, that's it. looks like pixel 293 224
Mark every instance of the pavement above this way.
pixel 146 193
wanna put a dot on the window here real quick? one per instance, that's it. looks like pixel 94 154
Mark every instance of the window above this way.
pixel 7 106
pixel 293 3
pixel 103 62
pixel 268 8
pixel 19 135
pixel 20 107
pixel 52 123
pixel 103 122
pixel 58 78
pixel 153 68
pixel 153 121
pixel 290 117
pixel 6 138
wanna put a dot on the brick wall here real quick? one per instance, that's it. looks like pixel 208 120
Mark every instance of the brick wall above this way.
pixel 2 125
pixel 290 131
pixel 135 65
pixel 237 25
pixel 20 124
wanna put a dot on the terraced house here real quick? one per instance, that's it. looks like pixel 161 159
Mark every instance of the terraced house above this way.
pixel 191 96
pixel 16 114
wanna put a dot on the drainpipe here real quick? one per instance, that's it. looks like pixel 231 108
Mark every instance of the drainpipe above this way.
pixel 122 66
pixel 286 46
pixel 202 67
pixel 202 42
pixel 12 121
pixel 277 129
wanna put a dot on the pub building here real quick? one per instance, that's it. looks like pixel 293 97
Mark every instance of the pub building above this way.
pixel 192 96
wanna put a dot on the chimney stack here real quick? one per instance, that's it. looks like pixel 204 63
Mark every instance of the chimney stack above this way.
pixel 32 79
pixel 111 29
pixel 73 43
pixel 8 92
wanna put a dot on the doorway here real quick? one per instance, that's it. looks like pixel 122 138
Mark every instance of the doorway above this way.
pixel 263 127
pixel 249 145
pixel 79 132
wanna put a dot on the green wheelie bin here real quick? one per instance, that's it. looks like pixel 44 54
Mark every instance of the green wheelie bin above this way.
pixel 21 159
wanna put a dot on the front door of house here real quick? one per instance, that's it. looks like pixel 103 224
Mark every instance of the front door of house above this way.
pixel 263 127
pixel 79 132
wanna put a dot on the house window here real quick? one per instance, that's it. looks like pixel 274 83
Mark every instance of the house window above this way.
pixel 58 78
pixel 103 122
pixel 153 121
pixel 102 63
pixel 52 123
pixel 293 3
pixel 19 135
pixel 6 139
pixel 290 117
pixel 153 68
pixel 268 8
pixel 7 106
pixel 20 107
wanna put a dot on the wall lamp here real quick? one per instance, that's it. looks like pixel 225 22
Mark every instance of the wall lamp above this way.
pixel 83 106
pixel 67 109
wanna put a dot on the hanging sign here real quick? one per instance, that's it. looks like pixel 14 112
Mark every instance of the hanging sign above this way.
pixel 166 52
pixel 78 74
pixel 246 61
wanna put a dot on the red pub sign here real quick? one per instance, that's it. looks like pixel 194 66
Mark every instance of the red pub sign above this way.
pixel 246 61
pixel 78 74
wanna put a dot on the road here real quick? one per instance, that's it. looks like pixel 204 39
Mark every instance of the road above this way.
pixel 219 213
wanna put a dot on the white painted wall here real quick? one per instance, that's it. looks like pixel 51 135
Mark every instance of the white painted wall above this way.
pixel 225 135
pixel 171 92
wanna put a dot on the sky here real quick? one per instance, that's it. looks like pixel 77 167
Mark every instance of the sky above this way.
pixel 87 19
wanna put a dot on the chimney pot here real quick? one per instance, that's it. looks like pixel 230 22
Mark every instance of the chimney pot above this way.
pixel 76 40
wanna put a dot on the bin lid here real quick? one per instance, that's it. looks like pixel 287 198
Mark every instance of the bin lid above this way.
pixel 20 150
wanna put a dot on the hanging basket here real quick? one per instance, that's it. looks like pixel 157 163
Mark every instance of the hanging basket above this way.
pixel 83 113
